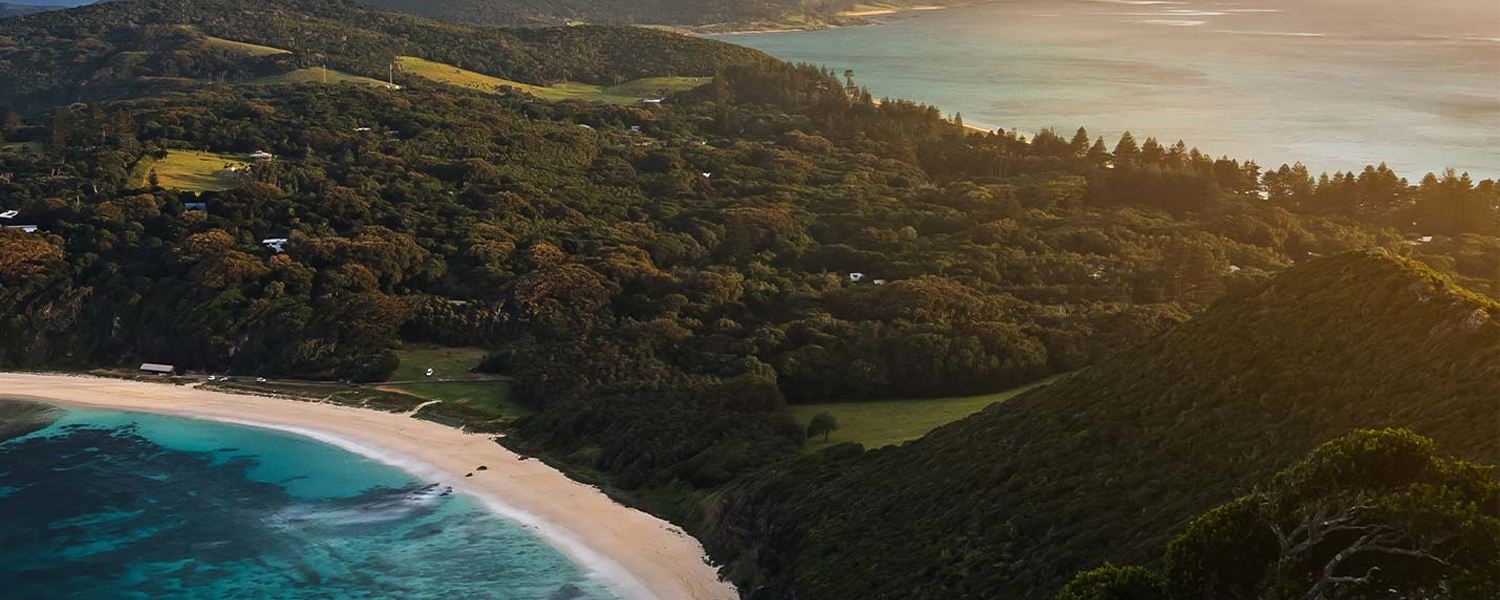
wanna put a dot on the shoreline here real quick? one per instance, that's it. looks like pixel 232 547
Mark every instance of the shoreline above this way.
pixel 638 555
pixel 868 18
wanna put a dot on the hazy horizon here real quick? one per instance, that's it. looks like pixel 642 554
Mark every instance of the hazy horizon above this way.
pixel 1336 84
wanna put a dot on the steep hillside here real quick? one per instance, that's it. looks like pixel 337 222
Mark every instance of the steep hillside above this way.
pixel 119 49
pixel 1106 464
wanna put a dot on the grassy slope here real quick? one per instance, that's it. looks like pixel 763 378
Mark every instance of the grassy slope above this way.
pixel 317 75
pixel 485 399
pixel 887 422
pixel 445 362
pixel 243 47
pixel 191 170
pixel 22 147
pixel 629 92
pixel 1108 463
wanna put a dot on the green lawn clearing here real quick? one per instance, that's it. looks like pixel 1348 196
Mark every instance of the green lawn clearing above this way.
pixel 630 92
pixel 445 362
pixel 488 398
pixel 192 170
pixel 318 75
pixel 243 47
pixel 22 147
pixel 886 422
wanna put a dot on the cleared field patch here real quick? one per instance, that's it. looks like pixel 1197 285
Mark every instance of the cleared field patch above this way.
pixel 446 362
pixel 318 75
pixel 192 170
pixel 245 48
pixel 478 396
pixel 886 422
pixel 654 87
pixel 22 147
pixel 630 92
pixel 484 400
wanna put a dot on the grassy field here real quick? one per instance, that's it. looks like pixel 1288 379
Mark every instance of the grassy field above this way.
pixel 243 48
pixel 22 147
pixel 630 92
pixel 191 170
pixel 490 398
pixel 316 75
pixel 887 422
pixel 445 362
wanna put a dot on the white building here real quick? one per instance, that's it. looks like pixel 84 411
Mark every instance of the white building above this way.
pixel 277 244
pixel 856 277
pixel 9 214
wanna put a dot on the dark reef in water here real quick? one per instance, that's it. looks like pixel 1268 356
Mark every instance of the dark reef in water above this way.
pixel 18 418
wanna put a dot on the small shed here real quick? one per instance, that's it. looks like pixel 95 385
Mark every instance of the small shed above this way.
pixel 158 369
pixel 9 214
pixel 856 277
pixel 261 155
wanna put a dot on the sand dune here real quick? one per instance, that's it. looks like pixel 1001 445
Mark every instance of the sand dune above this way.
pixel 642 556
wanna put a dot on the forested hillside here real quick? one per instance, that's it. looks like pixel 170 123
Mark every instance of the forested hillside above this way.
pixel 10 10
pixel 1110 462
pixel 1372 514
pixel 120 49
pixel 659 281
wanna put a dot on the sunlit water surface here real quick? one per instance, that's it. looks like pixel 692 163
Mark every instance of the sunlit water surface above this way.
pixel 112 505
pixel 1336 84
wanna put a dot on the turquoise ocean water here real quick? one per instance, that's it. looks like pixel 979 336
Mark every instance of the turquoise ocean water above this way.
pixel 1336 84
pixel 114 505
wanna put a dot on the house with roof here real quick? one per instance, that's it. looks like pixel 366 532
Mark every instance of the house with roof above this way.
pixel 9 214
pixel 25 228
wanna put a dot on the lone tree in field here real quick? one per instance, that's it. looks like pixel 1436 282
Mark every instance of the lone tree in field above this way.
pixel 822 424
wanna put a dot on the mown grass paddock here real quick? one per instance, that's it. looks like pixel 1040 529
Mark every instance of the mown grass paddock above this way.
pixel 886 422
pixel 630 92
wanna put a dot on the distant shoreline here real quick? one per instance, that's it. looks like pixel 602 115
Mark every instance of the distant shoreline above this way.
pixel 864 16
pixel 640 556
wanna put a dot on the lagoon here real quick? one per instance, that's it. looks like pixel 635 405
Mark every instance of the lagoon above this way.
pixel 1335 84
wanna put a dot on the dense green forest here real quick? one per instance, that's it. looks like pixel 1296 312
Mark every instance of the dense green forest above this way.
pixel 122 49
pixel 661 281
pixel 1372 514
pixel 1108 463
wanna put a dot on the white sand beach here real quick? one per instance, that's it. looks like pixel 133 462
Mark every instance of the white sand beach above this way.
pixel 643 557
